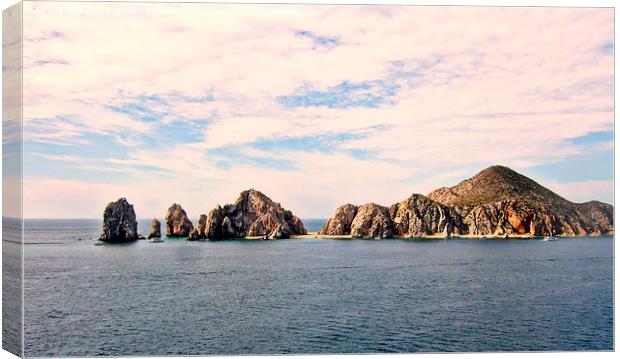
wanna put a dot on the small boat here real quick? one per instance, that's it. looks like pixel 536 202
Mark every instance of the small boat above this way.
pixel 550 238
pixel 157 240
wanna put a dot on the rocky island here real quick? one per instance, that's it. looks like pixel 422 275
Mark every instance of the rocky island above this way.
pixel 252 215
pixel 155 229
pixel 119 222
pixel 496 202
pixel 177 222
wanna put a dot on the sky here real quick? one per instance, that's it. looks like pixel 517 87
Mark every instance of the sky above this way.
pixel 316 106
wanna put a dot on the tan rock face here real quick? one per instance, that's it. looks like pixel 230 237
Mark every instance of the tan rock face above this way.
pixel 341 221
pixel 520 221
pixel 155 229
pixel 480 220
pixel 498 219
pixel 599 217
pixel 372 221
pixel 418 216
pixel 519 216
pixel 443 195
pixel 177 223
pixel 252 214
pixel 200 231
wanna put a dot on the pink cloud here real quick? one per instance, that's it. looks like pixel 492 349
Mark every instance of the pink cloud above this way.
pixel 482 85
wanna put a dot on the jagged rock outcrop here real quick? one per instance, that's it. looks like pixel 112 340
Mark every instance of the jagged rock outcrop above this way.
pixel 372 221
pixel 177 222
pixel 496 202
pixel 119 222
pixel 155 229
pixel 200 231
pixel 215 223
pixel 252 214
pixel 598 217
pixel 341 221
pixel 419 216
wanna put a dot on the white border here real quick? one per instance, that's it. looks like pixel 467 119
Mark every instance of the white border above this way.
pixel 565 3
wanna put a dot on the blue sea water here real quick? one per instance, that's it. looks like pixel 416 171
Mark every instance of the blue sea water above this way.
pixel 314 224
pixel 311 295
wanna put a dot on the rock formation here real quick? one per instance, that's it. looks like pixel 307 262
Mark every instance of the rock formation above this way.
pixel 418 216
pixel 200 231
pixel 252 214
pixel 496 202
pixel 155 229
pixel 371 221
pixel 340 221
pixel 177 223
pixel 499 201
pixel 119 222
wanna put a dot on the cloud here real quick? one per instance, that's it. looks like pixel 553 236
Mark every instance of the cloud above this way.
pixel 343 95
pixel 164 107
pixel 316 105
pixel 320 42
pixel 51 62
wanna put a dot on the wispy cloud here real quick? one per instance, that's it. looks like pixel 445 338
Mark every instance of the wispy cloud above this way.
pixel 343 95
pixel 320 42
pixel 316 105
pixel 51 62
pixel 158 107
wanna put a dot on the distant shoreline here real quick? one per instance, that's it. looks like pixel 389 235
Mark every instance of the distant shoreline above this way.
pixel 316 235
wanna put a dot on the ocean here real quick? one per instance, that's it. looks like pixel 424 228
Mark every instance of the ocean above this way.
pixel 311 295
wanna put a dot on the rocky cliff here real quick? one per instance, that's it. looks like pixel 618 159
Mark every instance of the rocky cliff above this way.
pixel 155 229
pixel 119 222
pixel 177 222
pixel 200 231
pixel 496 202
pixel 418 216
pixel 252 214
pixel 341 220
pixel 372 221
